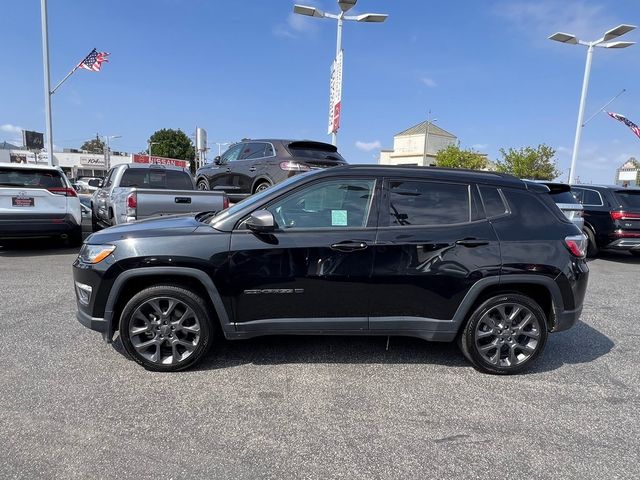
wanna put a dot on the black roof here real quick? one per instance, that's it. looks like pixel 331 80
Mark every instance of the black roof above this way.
pixel 451 174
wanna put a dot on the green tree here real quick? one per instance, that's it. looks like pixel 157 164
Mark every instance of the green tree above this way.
pixel 455 157
pixel 172 144
pixel 528 162
pixel 95 145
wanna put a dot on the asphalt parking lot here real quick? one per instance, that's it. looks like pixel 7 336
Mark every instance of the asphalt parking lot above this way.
pixel 312 407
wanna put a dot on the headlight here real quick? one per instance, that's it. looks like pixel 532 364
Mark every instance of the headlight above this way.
pixel 95 253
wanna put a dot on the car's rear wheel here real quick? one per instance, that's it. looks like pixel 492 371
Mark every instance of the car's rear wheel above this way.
pixel 262 186
pixel 505 334
pixel 202 184
pixel 592 246
pixel 166 328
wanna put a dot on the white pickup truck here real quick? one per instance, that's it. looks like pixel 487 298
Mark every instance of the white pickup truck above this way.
pixel 133 192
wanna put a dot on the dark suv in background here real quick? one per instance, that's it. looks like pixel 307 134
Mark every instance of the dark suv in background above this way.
pixel 611 217
pixel 255 165
pixel 438 254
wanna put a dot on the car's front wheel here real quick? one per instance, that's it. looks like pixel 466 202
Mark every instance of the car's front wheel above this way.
pixel 166 328
pixel 504 334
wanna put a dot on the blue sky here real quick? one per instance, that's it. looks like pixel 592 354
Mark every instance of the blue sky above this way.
pixel 251 68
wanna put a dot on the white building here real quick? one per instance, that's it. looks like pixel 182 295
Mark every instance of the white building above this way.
pixel 409 145
pixel 628 175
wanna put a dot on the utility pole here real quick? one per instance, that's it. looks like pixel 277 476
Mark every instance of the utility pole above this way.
pixel 47 80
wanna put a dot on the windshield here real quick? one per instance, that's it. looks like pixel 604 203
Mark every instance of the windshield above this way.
pixel 629 199
pixel 257 198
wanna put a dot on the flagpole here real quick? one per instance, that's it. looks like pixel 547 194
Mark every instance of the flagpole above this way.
pixel 71 72
pixel 604 106
pixel 47 80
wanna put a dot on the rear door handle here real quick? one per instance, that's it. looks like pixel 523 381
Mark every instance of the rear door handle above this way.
pixel 349 246
pixel 472 242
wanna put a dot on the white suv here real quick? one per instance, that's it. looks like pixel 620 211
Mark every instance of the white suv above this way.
pixel 38 201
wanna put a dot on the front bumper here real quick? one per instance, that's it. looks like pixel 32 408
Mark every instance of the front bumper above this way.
pixel 36 225
pixel 97 324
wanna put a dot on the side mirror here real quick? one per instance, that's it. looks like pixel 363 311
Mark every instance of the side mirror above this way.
pixel 261 221
pixel 217 160
pixel 94 182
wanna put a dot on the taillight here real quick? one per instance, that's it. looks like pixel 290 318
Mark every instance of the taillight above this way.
pixel 577 245
pixel 294 167
pixel 225 202
pixel 67 192
pixel 132 200
pixel 622 215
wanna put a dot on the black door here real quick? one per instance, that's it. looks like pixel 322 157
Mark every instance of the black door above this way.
pixel 311 274
pixel 245 168
pixel 219 175
pixel 433 244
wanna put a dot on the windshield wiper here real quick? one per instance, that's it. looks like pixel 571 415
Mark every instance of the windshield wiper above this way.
pixel 204 216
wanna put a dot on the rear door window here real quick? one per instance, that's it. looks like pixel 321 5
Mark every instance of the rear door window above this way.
pixel 156 178
pixel 253 150
pixel 30 178
pixel 629 199
pixel 428 203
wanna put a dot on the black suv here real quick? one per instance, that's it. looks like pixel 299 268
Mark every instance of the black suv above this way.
pixel 255 165
pixel 611 217
pixel 359 250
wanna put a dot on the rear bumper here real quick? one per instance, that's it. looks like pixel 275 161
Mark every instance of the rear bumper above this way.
pixel 625 244
pixel 36 225
pixel 566 319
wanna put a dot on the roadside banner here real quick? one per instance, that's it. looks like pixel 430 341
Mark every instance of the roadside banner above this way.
pixel 335 95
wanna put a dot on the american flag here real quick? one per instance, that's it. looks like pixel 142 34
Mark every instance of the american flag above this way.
pixel 94 60
pixel 621 118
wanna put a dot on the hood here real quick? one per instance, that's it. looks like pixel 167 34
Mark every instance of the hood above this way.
pixel 153 227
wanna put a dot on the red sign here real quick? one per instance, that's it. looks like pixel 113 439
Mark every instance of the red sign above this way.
pixel 336 116
pixel 137 158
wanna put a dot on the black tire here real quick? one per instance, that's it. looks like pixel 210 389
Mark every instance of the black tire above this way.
pixel 261 186
pixel 592 246
pixel 158 335
pixel 75 239
pixel 474 337
pixel 202 184
pixel 95 226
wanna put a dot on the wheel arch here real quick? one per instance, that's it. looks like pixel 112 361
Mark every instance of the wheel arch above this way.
pixel 133 281
pixel 539 288
pixel 259 180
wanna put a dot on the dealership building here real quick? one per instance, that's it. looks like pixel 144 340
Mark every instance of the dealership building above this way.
pixel 76 163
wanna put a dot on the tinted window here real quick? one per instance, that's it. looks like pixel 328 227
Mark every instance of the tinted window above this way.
pixel 427 203
pixel 252 150
pixel 14 177
pixel 109 179
pixel 577 193
pixel 591 197
pixel 232 154
pixel 334 204
pixel 493 202
pixel 629 199
pixel 315 150
pixel 563 197
pixel 268 150
pixel 156 178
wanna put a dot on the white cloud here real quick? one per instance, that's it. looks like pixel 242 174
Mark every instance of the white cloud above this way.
pixel 368 146
pixel 11 129
pixel 479 146
pixel 542 18
pixel 295 26
pixel 429 82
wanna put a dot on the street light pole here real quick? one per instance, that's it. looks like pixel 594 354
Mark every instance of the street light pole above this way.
pixel 583 101
pixel 603 42
pixel 47 80
pixel 345 6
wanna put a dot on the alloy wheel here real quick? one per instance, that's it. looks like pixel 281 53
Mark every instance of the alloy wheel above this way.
pixel 164 330
pixel 507 335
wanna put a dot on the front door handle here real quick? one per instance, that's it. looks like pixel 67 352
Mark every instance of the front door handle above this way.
pixel 252 169
pixel 472 242
pixel 349 246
